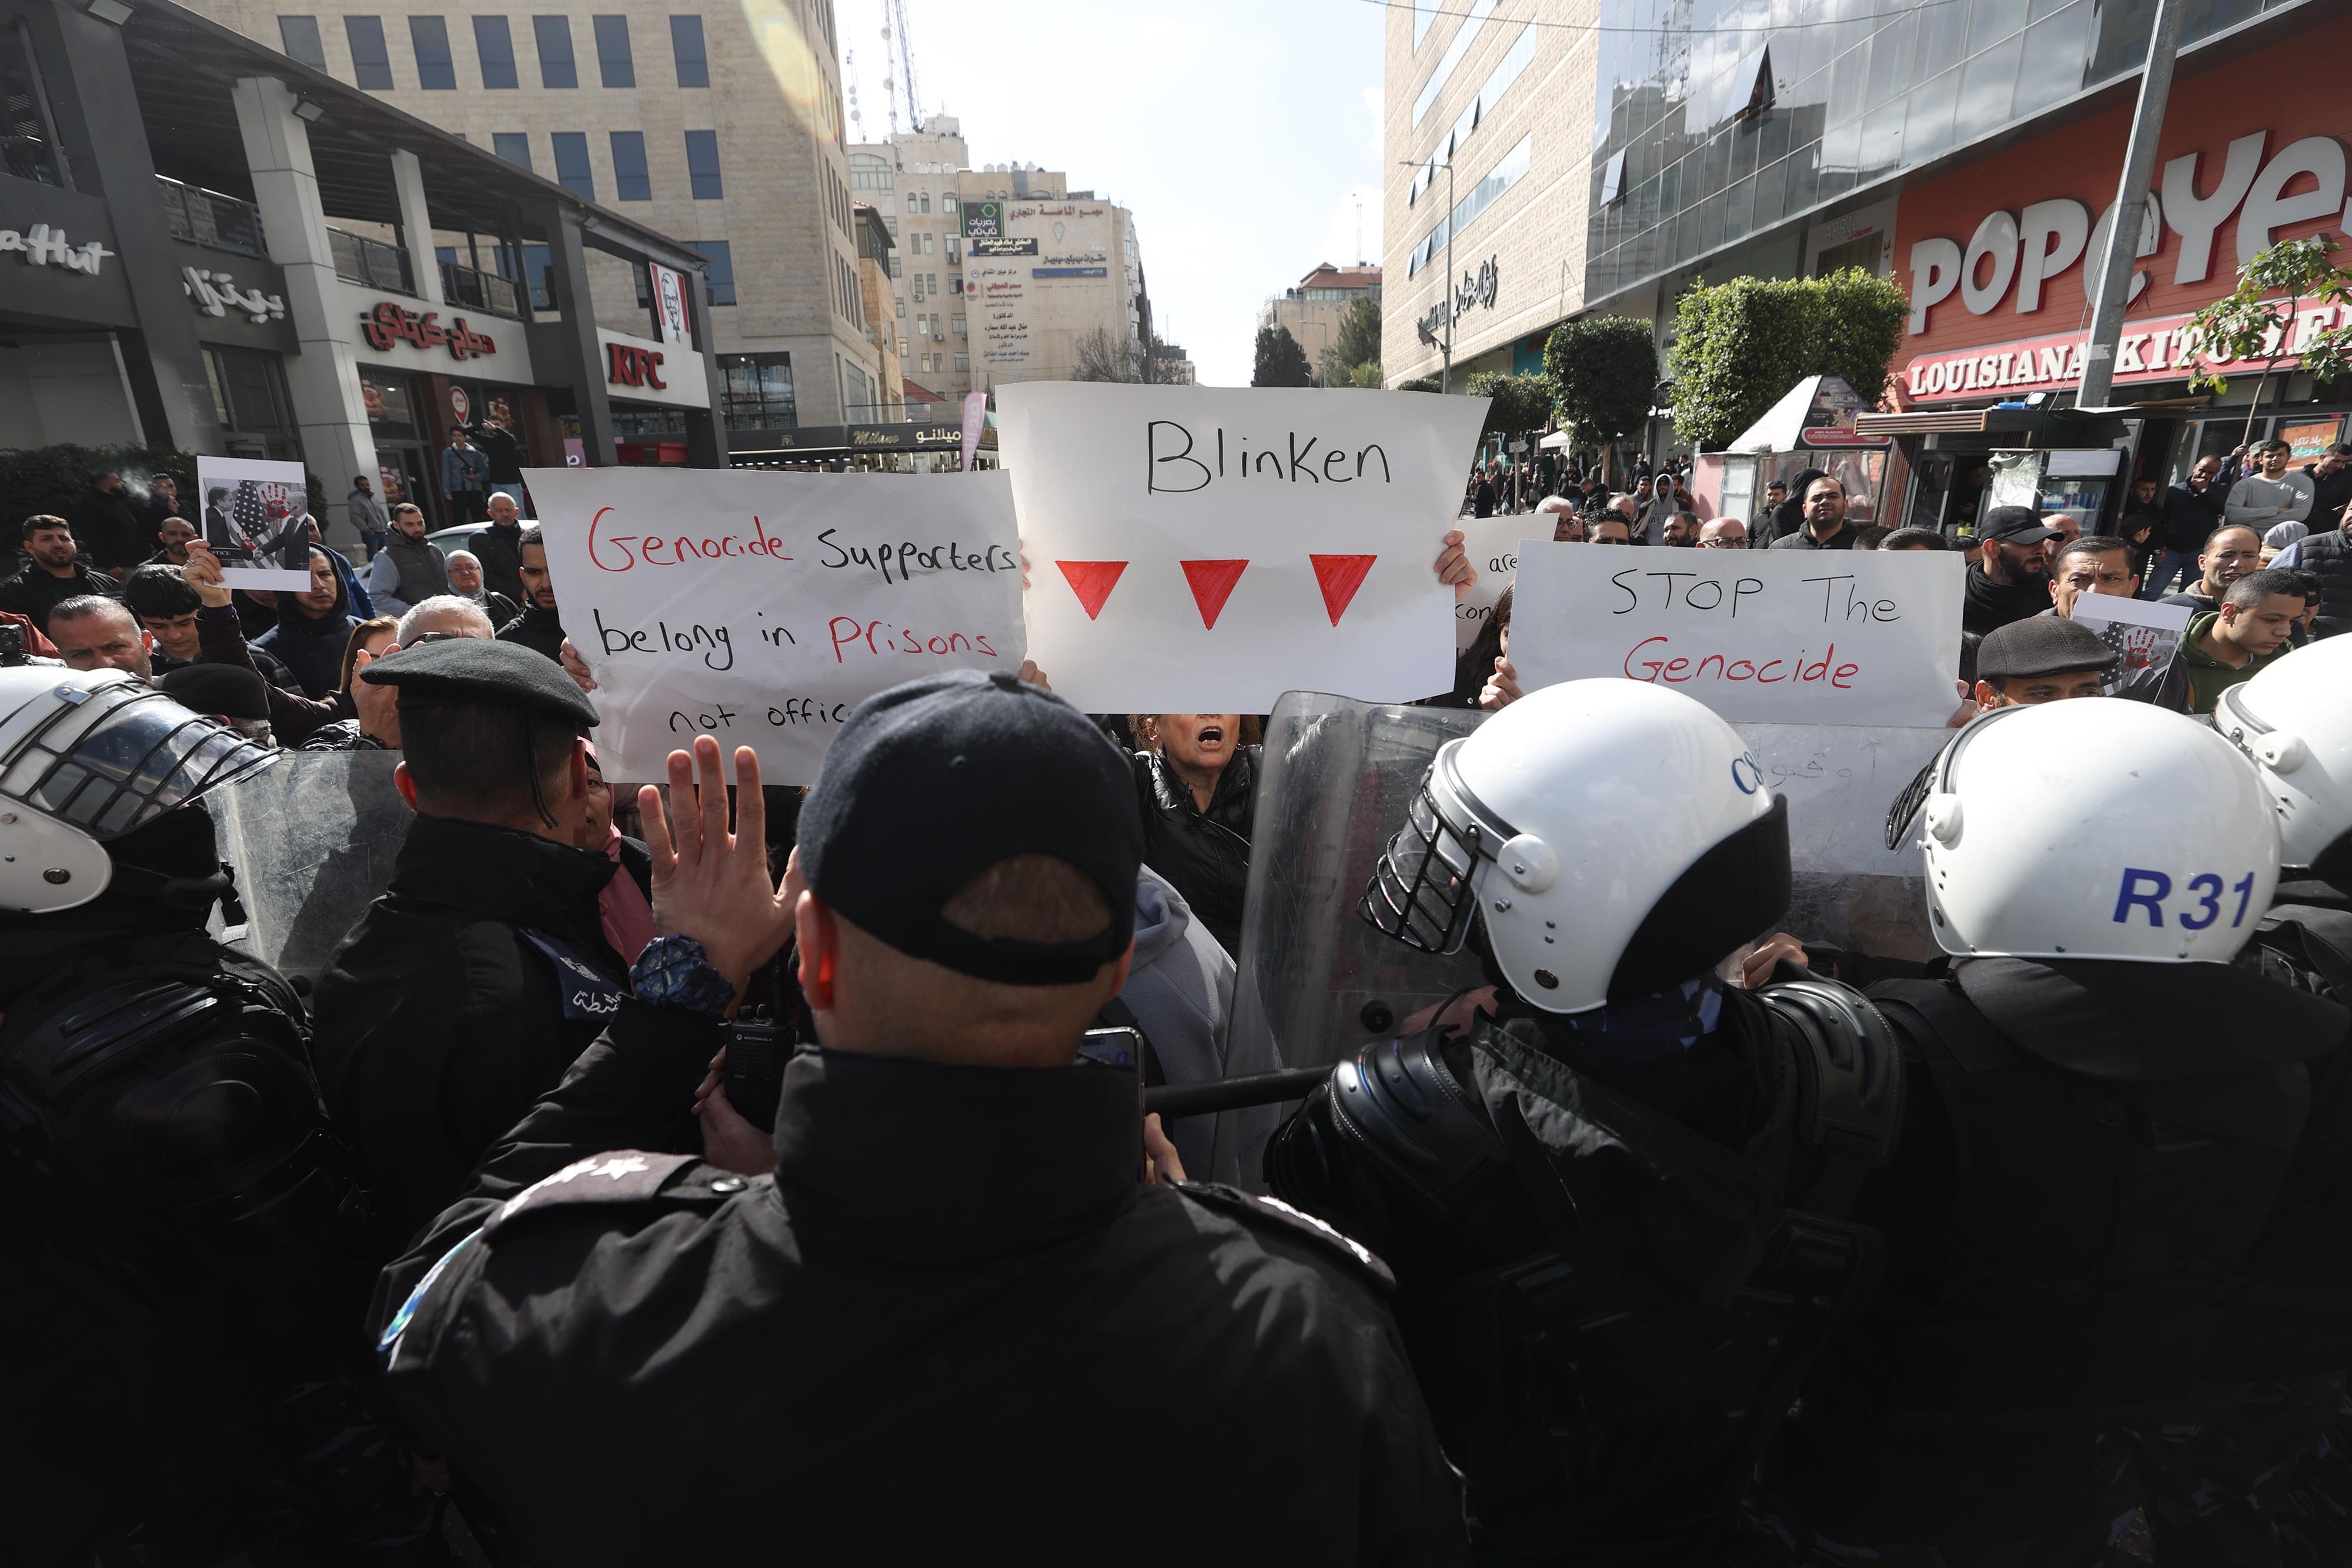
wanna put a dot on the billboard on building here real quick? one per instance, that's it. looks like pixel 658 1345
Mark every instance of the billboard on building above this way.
pixel 983 220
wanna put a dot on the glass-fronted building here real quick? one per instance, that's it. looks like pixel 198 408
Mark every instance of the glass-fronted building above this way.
pixel 1717 121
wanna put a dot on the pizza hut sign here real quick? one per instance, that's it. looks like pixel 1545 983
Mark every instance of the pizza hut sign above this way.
pixel 387 324
pixel 2011 254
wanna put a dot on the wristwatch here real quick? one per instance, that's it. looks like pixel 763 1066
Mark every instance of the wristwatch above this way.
pixel 675 972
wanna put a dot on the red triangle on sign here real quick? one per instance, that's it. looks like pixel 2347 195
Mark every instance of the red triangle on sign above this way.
pixel 1092 581
pixel 1213 583
pixel 1339 576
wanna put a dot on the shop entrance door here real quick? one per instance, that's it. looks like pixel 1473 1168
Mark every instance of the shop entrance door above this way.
pixel 404 470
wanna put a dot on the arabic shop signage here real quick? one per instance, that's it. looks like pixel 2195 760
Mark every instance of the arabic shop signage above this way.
pixel 986 246
pixel 830 438
pixel 387 326
pixel 630 367
pixel 42 246
pixel 215 294
pixel 1477 289
pixel 983 220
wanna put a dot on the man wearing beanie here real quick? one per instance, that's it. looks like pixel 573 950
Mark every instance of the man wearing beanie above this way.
pixel 956 1322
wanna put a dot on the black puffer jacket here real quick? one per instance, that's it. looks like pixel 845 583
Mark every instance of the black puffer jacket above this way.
pixel 1204 853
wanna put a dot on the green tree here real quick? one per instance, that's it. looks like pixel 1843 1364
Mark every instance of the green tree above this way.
pixel 1520 403
pixel 1740 346
pixel 1603 371
pixel 2248 323
pixel 1358 342
pixel 1366 374
pixel 1421 383
pixel 1281 362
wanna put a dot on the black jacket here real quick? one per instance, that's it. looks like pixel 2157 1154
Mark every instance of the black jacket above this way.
pixel 1204 853
pixel 1987 606
pixel 951 1326
pixel 2190 514
pixel 108 529
pixel 33 593
pixel 542 631
pixel 2325 553
pixel 500 552
pixel 440 1020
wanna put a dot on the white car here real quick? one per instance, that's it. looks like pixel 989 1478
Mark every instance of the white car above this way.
pixel 447 539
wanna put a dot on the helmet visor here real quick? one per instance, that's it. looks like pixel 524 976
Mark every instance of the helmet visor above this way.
pixel 115 758
pixel 1424 888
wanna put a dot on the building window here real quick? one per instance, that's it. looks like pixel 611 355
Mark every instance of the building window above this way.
pixel 926 200
pixel 514 146
pixel 556 68
pixel 896 269
pixel 299 36
pixel 954 254
pixel 539 269
pixel 902 308
pixel 249 399
pixel 890 222
pixel 495 44
pixel 630 181
pixel 686 45
pixel 759 391
pixel 572 171
pixel 702 165
pixel 612 58
pixel 436 71
pixel 371 62
pixel 722 276
pixel 910 202
pixel 870 172
pixel 963 364
pixel 959 327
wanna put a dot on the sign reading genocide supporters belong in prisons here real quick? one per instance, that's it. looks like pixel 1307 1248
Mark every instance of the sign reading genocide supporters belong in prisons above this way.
pixel 1835 637
pixel 1196 547
pixel 760 608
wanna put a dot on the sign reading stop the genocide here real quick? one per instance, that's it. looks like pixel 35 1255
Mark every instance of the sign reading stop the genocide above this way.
pixel 1835 637
pixel 762 607
pixel 1200 549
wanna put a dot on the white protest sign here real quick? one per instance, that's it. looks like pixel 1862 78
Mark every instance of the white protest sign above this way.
pixel 1839 637
pixel 1212 548
pixel 762 607
pixel 2144 635
pixel 1493 547
pixel 255 517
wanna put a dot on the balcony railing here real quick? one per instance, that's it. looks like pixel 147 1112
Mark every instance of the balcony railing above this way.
pixel 371 262
pixel 208 217
pixel 483 291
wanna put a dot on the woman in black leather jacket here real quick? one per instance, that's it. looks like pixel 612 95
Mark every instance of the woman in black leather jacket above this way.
pixel 1196 784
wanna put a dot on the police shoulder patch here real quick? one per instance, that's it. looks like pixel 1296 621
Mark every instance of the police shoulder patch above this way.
pixel 1297 1224
pixel 622 1176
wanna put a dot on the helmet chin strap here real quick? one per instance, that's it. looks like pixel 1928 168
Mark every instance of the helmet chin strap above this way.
pixel 188 895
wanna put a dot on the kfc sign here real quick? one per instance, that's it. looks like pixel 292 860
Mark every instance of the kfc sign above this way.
pixel 2011 256
pixel 631 367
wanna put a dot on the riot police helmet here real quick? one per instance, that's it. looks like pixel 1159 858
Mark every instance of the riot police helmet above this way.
pixel 85 757
pixel 2034 821
pixel 1613 838
pixel 2293 720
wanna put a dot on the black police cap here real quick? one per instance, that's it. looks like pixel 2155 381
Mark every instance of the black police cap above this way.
pixel 475 672
pixel 2043 645
pixel 933 782
pixel 230 691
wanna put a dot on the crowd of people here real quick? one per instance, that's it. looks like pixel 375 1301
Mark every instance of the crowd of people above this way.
pixel 707 1171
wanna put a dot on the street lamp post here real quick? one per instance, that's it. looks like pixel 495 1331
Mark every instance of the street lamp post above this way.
pixel 1445 372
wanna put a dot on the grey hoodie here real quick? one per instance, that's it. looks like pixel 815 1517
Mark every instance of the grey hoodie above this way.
pixel 1181 989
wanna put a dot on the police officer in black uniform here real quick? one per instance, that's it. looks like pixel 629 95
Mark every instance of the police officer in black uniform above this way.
pixel 482 972
pixel 1615 1204
pixel 2104 1116
pixel 954 1325
pixel 174 1214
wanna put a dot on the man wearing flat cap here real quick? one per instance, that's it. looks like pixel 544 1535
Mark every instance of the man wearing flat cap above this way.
pixel 955 1322
pixel 482 971
pixel 2028 663
pixel 2011 576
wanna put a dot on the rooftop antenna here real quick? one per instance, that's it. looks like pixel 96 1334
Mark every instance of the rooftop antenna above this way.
pixel 1360 228
pixel 849 63
pixel 897 27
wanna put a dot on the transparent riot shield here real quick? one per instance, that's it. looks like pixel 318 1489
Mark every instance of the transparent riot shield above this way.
pixel 313 841
pixel 1317 983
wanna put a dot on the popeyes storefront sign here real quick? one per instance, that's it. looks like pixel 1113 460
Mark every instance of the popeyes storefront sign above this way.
pixel 1998 254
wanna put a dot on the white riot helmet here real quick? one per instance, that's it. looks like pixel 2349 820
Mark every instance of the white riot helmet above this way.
pixel 2294 720
pixel 2036 826
pixel 1615 837
pixel 86 756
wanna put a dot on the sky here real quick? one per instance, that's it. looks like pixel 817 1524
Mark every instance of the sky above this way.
pixel 1241 133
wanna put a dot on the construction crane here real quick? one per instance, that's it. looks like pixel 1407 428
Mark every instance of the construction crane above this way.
pixel 893 38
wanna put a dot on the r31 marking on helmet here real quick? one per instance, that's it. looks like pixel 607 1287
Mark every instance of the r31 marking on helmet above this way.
pixel 2149 890
pixel 1748 773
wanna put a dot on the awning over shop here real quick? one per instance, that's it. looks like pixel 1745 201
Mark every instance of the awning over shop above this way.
pixel 1817 413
